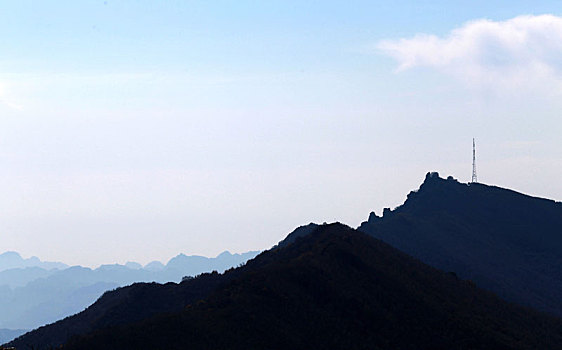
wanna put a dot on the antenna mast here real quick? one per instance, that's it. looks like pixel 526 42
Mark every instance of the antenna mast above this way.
pixel 474 177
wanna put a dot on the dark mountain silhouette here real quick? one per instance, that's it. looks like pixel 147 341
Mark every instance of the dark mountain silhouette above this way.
pixel 299 232
pixel 31 297
pixel 333 288
pixel 504 241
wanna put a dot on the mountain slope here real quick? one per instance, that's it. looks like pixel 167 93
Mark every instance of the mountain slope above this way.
pixel 121 306
pixel 504 241
pixel 337 288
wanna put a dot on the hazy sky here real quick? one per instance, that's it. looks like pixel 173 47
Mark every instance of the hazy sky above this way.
pixel 136 130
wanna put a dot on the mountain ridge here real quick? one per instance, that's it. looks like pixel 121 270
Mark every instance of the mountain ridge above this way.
pixel 11 259
pixel 505 241
pixel 338 288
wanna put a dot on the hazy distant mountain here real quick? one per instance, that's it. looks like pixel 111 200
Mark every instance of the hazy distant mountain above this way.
pixel 334 288
pixel 133 265
pixel 8 334
pixel 193 265
pixel 12 260
pixel 31 297
pixel 154 266
pixel 18 277
pixel 504 241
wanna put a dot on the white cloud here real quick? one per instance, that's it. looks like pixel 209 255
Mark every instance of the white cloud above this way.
pixel 525 51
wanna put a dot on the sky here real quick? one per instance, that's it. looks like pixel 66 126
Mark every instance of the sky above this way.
pixel 138 130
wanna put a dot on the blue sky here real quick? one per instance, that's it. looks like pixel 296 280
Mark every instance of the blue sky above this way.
pixel 135 130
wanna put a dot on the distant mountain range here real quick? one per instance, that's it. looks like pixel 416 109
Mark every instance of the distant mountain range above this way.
pixel 333 288
pixel 13 260
pixel 32 295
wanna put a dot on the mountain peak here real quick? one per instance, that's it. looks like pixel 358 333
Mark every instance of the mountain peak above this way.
pixel 11 255
pixel 224 254
pixel 433 179
pixel 432 175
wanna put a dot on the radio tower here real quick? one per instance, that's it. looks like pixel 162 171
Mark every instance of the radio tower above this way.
pixel 474 177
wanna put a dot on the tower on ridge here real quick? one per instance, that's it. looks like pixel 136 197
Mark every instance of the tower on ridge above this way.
pixel 474 177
